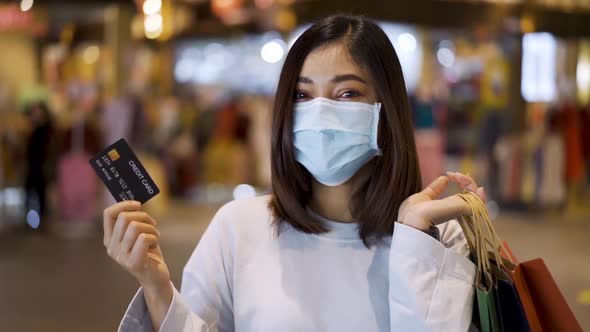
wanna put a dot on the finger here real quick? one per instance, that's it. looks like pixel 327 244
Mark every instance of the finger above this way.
pixel 461 179
pixel 436 187
pixel 481 192
pixel 443 210
pixel 132 234
pixel 125 218
pixel 140 249
pixel 110 216
pixel 122 222
pixel 464 181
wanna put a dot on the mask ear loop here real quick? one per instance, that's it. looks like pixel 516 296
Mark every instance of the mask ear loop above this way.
pixel 375 128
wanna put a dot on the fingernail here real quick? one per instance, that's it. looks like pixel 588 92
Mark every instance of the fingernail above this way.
pixel 481 192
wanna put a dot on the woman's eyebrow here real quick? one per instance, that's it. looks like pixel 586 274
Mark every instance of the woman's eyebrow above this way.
pixel 303 79
pixel 335 79
pixel 347 77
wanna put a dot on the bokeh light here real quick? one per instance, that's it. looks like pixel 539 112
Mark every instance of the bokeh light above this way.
pixel 273 51
pixel 244 191
pixel 33 219
pixel 26 5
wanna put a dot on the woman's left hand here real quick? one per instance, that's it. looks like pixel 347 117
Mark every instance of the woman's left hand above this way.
pixel 423 210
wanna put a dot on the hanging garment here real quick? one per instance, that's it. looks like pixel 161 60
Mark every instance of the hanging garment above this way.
pixel 573 156
pixel 552 191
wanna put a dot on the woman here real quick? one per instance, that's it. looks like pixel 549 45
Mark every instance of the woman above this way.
pixel 318 254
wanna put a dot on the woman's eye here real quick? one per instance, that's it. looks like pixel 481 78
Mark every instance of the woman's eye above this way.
pixel 300 96
pixel 349 94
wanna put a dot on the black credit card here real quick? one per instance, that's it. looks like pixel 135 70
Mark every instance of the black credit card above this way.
pixel 123 174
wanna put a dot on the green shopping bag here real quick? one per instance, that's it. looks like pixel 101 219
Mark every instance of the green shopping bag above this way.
pixel 499 306
pixel 486 301
pixel 484 244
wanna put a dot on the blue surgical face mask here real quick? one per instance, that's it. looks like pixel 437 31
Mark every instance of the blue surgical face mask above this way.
pixel 334 139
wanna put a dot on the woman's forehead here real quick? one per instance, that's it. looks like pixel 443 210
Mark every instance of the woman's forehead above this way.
pixel 329 61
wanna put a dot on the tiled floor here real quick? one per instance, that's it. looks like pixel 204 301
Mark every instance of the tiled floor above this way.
pixel 52 283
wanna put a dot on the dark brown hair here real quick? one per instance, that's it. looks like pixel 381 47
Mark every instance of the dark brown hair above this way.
pixel 396 173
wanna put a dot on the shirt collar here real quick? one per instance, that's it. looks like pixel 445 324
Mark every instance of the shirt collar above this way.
pixel 337 229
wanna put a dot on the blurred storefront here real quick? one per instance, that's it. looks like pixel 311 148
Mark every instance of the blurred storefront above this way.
pixel 499 89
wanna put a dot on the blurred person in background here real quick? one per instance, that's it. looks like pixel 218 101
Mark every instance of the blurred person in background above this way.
pixel 227 158
pixel 255 131
pixel 40 165
pixel 76 199
pixel 318 254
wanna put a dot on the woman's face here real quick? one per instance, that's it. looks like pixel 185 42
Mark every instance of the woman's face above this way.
pixel 330 72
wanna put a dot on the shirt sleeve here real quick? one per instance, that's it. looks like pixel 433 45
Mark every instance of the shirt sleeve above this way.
pixel 204 303
pixel 178 318
pixel 431 286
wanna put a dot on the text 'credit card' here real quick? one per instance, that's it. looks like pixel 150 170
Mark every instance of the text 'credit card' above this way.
pixel 123 174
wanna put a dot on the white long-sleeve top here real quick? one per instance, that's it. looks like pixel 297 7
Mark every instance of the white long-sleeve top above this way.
pixel 243 277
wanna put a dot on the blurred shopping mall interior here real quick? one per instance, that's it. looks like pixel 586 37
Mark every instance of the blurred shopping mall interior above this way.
pixel 499 89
